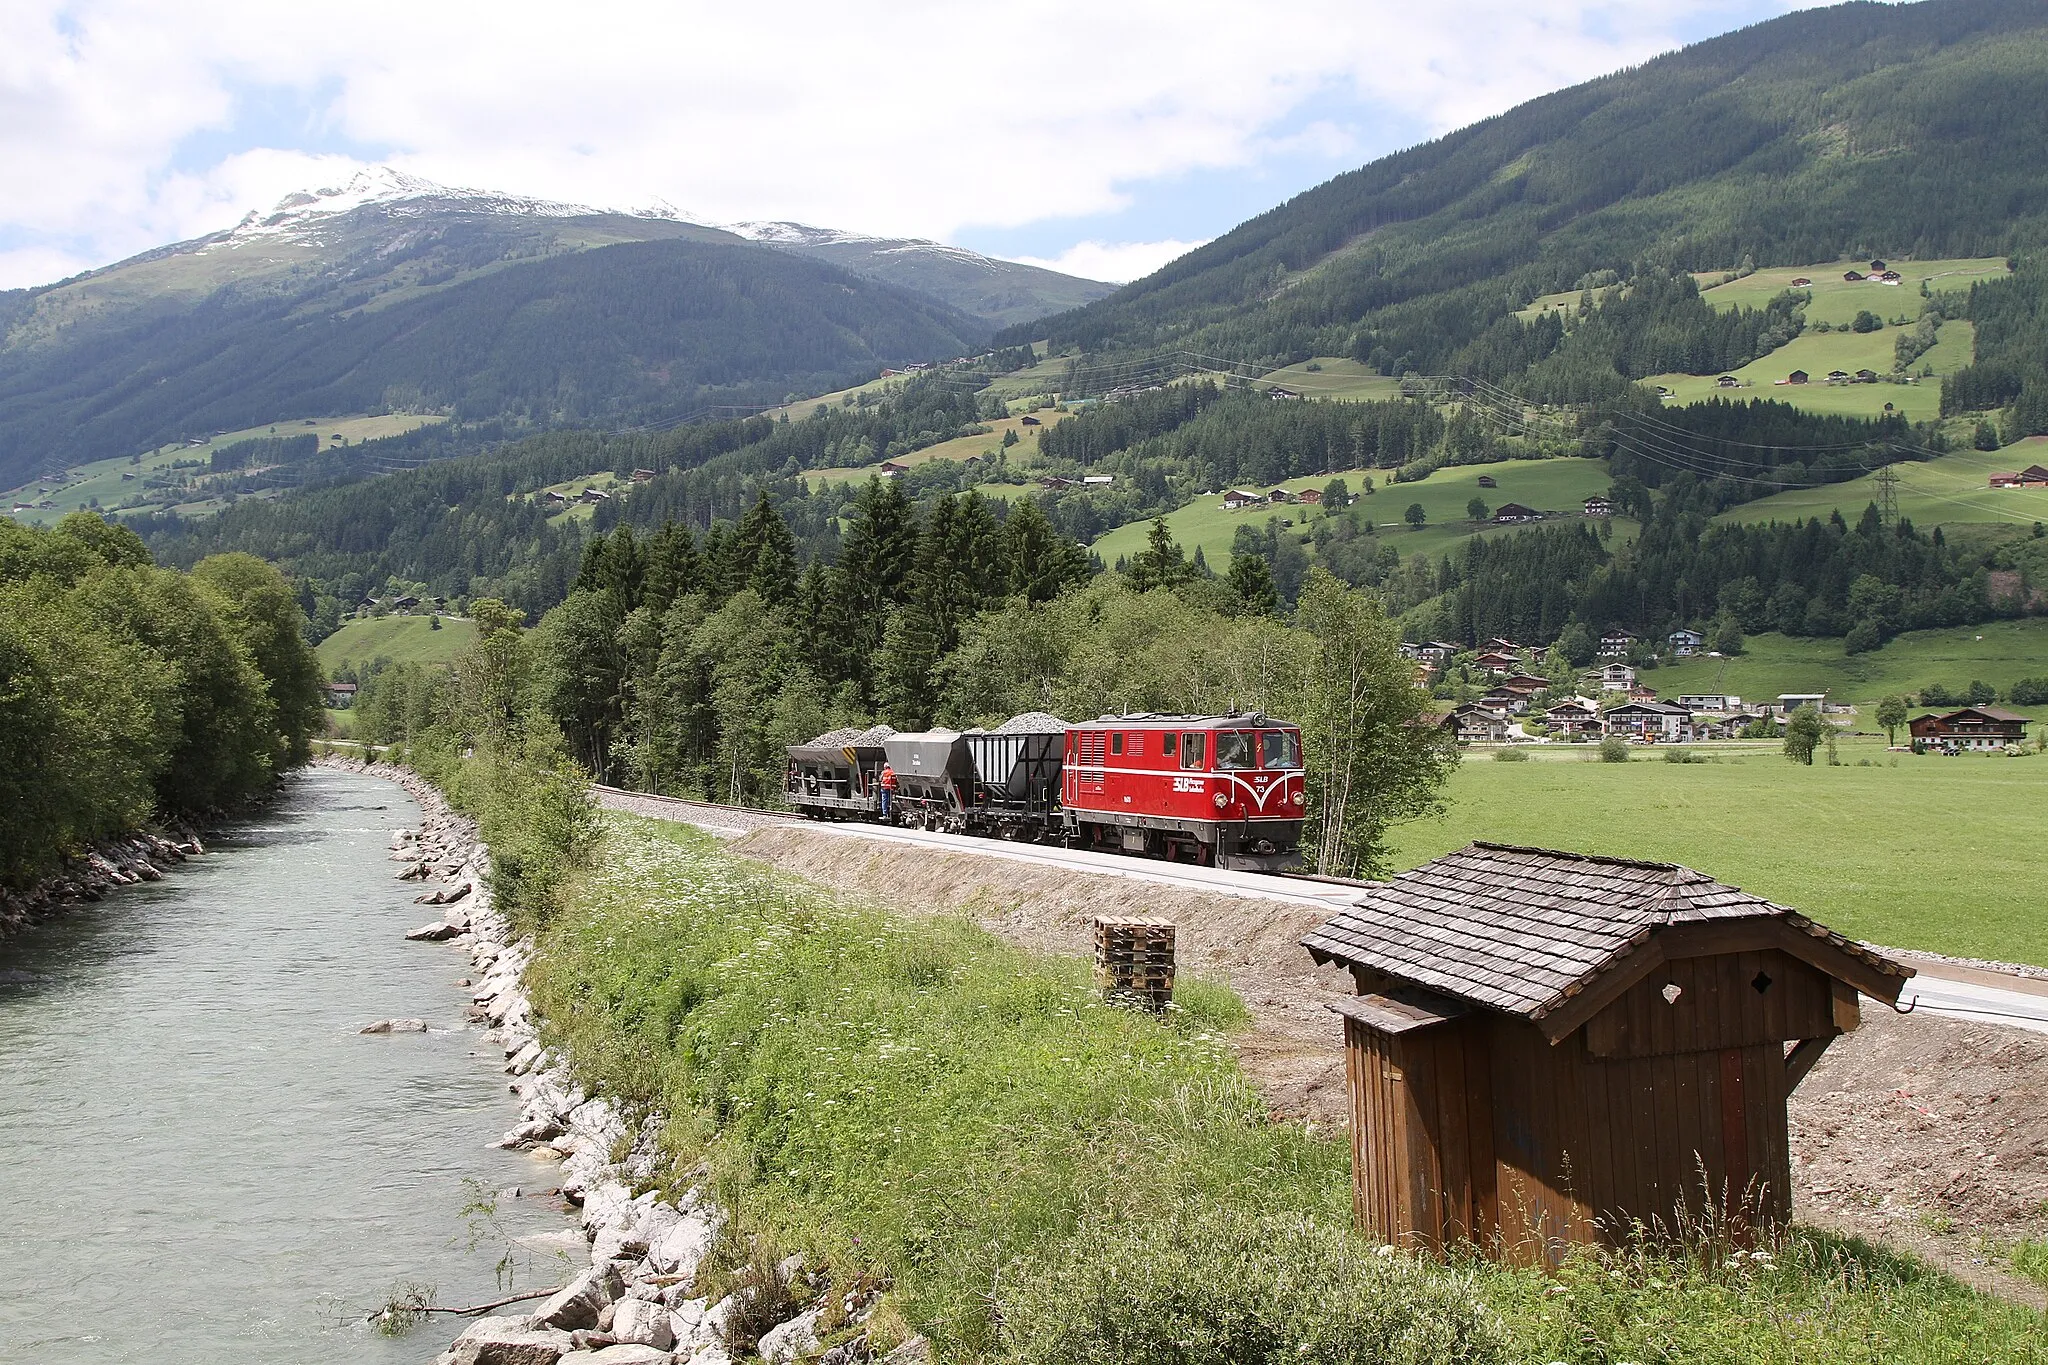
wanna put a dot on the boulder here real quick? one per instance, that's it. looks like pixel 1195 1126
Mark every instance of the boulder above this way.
pixel 626 1353
pixel 792 1340
pixel 395 1026
pixel 436 932
pixel 916 1351
pixel 847 1352
pixel 639 1322
pixel 508 1341
pixel 578 1303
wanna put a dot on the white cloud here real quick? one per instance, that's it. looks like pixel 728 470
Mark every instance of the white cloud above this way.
pixel 1116 262
pixel 902 118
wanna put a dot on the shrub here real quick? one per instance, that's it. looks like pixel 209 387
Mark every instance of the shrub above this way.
pixel 1866 321
pixel 1511 755
pixel 1614 749
pixel 1683 755
pixel 2029 692
pixel 1240 1288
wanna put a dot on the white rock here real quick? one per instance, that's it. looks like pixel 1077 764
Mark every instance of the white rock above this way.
pixel 643 1323
pixel 711 1355
pixel 681 1249
pixel 797 1337
pixel 623 1354
pixel 395 1026
pixel 578 1303
pixel 508 1341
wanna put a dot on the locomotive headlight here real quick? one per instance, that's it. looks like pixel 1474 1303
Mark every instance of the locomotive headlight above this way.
pixel 1222 800
pixel 1300 800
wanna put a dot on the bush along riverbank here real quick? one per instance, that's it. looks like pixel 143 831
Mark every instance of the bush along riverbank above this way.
pixel 836 1130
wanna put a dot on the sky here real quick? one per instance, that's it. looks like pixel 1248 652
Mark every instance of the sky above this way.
pixel 1101 138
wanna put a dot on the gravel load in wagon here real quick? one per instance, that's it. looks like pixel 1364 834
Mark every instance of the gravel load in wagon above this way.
pixel 1032 723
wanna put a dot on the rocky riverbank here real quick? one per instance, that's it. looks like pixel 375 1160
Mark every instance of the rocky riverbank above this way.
pixel 141 857
pixel 646 1297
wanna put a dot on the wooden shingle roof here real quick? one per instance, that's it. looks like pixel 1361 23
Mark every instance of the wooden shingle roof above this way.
pixel 1523 930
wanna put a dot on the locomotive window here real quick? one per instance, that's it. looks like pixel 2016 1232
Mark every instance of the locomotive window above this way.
pixel 1191 749
pixel 1116 743
pixel 1166 744
pixel 1282 749
pixel 1233 749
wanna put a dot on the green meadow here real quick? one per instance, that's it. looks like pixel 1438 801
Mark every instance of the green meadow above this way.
pixel 1837 301
pixel 1560 485
pixel 1996 652
pixel 1954 488
pixel 1334 377
pixel 1912 853
pixel 401 639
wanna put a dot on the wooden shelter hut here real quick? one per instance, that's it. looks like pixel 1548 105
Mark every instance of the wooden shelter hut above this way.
pixel 1552 1048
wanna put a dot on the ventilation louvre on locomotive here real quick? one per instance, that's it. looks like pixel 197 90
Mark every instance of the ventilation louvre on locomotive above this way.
pixel 1219 791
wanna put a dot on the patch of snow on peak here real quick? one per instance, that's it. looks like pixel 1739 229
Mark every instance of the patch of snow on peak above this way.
pixel 385 185
pixel 796 234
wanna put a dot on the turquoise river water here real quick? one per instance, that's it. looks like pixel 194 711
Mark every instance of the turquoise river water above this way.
pixel 202 1160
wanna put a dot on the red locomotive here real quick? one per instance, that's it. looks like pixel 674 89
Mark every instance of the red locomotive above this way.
pixel 1219 791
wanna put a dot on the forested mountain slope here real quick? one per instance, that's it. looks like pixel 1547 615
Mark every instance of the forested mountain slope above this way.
pixel 392 293
pixel 1003 292
pixel 1863 129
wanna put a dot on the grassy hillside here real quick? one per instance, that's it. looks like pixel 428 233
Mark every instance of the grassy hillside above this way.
pixel 401 639
pixel 1904 131
pixel 183 468
pixel 1911 855
pixel 1560 485
pixel 1954 488
pixel 1996 652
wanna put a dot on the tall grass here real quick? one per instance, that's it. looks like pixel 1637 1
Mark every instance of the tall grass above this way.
pixel 1044 1178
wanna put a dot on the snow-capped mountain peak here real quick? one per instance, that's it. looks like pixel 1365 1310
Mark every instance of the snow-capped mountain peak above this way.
pixel 392 188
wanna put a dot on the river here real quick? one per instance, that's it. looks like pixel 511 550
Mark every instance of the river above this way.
pixel 201 1159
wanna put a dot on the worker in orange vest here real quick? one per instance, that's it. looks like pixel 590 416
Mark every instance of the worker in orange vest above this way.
pixel 888 787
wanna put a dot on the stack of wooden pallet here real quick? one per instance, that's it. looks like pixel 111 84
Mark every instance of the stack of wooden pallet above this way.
pixel 1134 960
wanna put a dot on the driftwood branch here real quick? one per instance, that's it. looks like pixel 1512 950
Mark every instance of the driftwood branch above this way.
pixel 472 1311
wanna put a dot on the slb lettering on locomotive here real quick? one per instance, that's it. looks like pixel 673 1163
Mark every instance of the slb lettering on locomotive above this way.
pixel 1188 784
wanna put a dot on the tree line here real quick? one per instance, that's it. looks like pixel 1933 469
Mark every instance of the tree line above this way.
pixel 129 691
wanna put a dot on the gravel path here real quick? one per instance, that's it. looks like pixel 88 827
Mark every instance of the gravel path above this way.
pixel 728 821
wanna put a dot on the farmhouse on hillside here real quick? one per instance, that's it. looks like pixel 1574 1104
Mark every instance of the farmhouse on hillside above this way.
pixel 1973 727
pixel 1616 642
pixel 1796 377
pixel 1685 642
pixel 1487 481
pixel 1599 507
pixel 1509 513
pixel 1549 1049
pixel 1237 500
pixel 1613 677
pixel 2033 476
pixel 1721 702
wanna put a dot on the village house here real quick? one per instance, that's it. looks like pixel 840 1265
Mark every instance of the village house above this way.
pixel 1573 717
pixel 1553 1048
pixel 554 499
pixel 1510 513
pixel 1650 720
pixel 341 695
pixel 1802 283
pixel 1277 392
pixel 1686 642
pixel 1973 727
pixel 1523 684
pixel 1838 376
pixel 1719 702
pixel 1311 496
pixel 1788 702
pixel 1477 725
pixel 1852 276
pixel 1613 677
pixel 1055 482
pixel 1727 381
pixel 643 476
pixel 1498 661
pixel 1599 507
pixel 1236 500
pixel 2033 476
pixel 1487 481
pixel 1097 480
pixel 1642 691
pixel 1616 642
pixel 892 470
pixel 1865 377
pixel 1796 377
pixel 1279 495
pixel 1030 422
pixel 1506 702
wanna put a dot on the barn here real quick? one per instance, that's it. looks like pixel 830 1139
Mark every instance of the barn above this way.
pixel 1553 1048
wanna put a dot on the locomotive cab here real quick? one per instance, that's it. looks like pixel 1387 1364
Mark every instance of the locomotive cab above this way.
pixel 1223 791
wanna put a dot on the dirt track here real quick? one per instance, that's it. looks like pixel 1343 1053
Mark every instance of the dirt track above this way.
pixel 1927 1134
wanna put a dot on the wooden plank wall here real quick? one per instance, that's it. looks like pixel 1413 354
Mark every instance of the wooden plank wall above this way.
pixel 1482 1130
